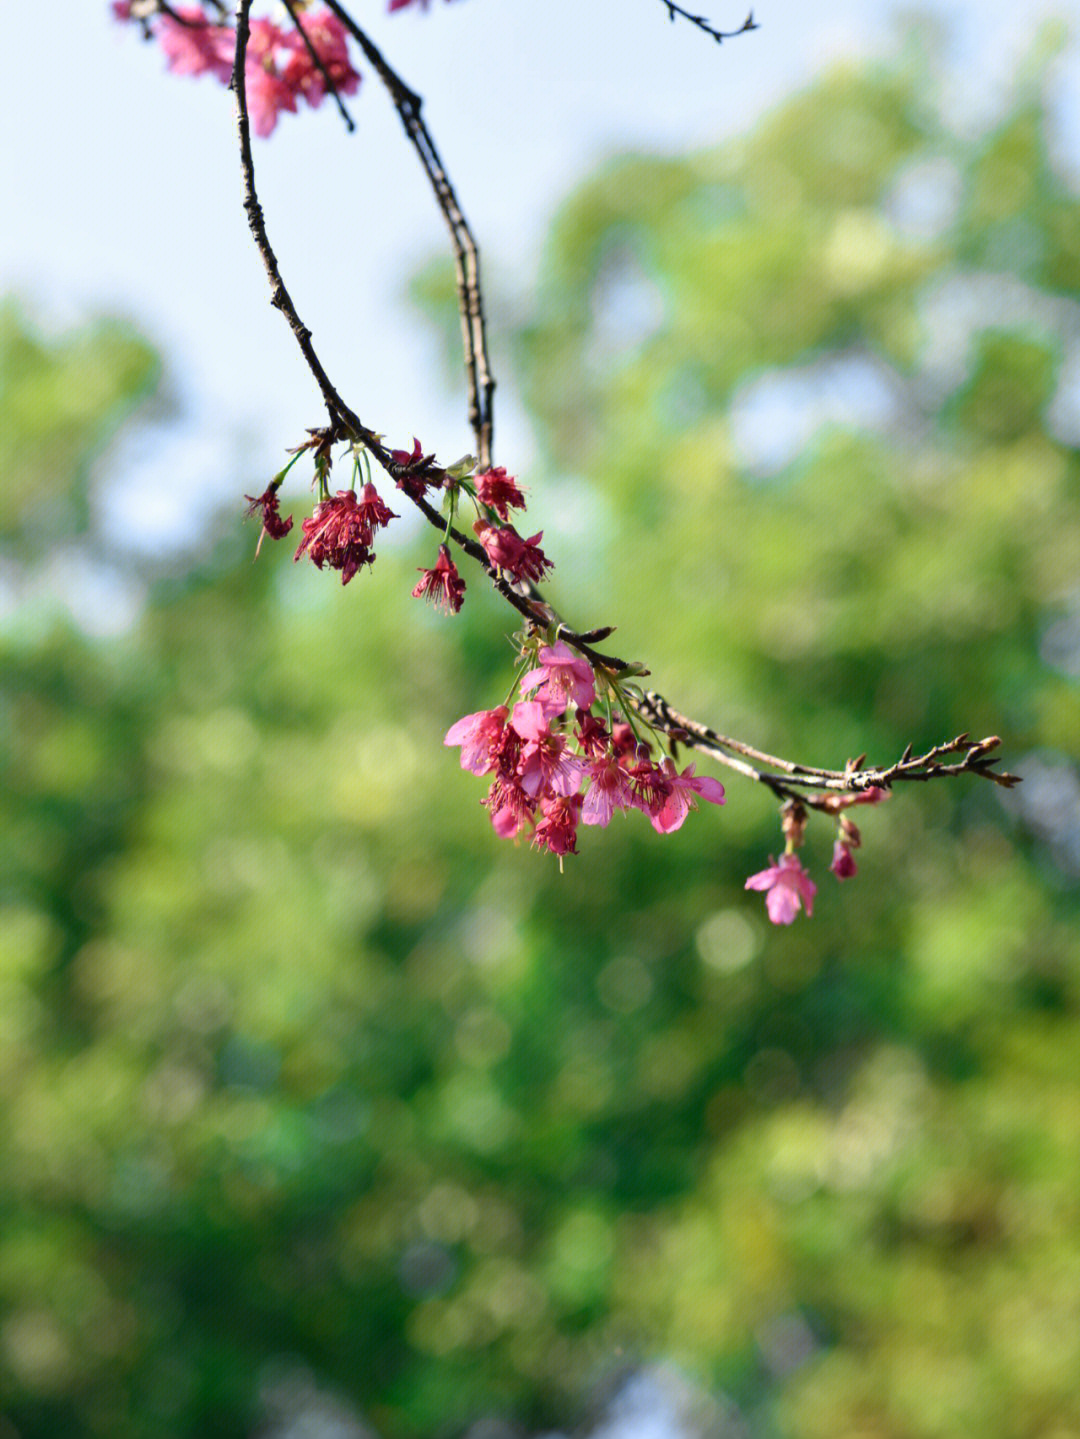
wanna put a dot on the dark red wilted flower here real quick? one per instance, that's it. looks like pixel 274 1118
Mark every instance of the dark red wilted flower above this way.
pixel 373 514
pixel 499 491
pixel 592 734
pixel 623 739
pixel 443 586
pixel 418 477
pixel 557 831
pixel 843 861
pixel 341 530
pixel 272 523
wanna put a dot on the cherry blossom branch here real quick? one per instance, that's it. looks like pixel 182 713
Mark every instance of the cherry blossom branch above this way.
pixel 480 382
pixel 800 785
pixel 797 778
pixel 702 24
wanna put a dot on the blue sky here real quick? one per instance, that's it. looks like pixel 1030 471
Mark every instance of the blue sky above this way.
pixel 125 193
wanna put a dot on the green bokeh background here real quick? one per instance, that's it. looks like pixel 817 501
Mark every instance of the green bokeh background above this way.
pixel 312 1085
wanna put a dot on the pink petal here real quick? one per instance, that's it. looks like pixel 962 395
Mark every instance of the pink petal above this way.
pixel 782 904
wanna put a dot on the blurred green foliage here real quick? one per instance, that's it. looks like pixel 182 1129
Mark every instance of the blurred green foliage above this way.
pixel 309 1080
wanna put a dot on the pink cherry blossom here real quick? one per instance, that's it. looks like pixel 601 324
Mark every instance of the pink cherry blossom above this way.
pixel 788 888
pixel 648 784
pixel 268 93
pixel 443 586
pixel 499 491
pixel 267 96
pixel 327 36
pixel 609 790
pixel 479 736
pixel 545 766
pixel 563 678
pixel 506 550
pixel 679 799
pixel 533 564
pixel 197 48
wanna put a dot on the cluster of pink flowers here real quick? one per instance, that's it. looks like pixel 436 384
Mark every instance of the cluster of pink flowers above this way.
pixel 549 774
pixel 521 559
pixel 340 533
pixel 280 67
pixel 788 888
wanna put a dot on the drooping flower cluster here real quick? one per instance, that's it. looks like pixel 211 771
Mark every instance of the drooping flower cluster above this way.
pixel 788 888
pixel 282 66
pixel 341 532
pixel 550 772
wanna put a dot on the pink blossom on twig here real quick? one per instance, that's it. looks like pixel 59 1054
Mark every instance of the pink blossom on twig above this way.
pixel 479 736
pixel 545 766
pixel 561 679
pixel 679 799
pixel 506 550
pixel 327 37
pixel 788 888
pixel 609 790
pixel 197 48
pixel 557 831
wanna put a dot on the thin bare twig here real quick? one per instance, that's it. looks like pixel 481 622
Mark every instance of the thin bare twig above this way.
pixel 796 779
pixel 480 382
pixel 316 60
pixel 702 24
pixel 280 297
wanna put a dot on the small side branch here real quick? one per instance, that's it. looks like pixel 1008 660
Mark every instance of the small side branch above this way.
pixel 316 60
pixel 702 23
pixel 280 297
pixel 818 787
pixel 479 380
